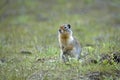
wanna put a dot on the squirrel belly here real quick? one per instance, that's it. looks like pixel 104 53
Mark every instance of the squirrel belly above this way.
pixel 65 40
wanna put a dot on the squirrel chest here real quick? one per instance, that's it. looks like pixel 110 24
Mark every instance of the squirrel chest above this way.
pixel 66 40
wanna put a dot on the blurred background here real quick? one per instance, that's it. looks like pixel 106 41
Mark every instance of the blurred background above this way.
pixel 27 23
pixel 41 18
pixel 31 27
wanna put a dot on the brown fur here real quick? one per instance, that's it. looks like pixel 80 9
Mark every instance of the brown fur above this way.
pixel 68 44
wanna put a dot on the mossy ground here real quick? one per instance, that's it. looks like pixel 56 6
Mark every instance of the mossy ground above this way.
pixel 29 44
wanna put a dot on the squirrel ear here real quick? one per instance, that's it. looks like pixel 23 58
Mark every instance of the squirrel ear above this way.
pixel 69 26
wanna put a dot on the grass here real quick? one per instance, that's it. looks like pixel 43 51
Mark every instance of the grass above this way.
pixel 31 26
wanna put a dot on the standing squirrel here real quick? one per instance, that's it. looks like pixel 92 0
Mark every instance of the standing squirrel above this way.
pixel 69 46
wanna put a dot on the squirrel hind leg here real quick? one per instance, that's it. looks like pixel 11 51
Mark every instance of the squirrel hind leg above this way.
pixel 77 57
pixel 64 58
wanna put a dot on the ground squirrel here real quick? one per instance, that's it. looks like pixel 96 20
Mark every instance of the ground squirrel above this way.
pixel 68 44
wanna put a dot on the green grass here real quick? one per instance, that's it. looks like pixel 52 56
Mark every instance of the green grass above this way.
pixel 32 26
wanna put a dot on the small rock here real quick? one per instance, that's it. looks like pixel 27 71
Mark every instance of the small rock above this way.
pixel 25 52
pixel 41 60
pixel 116 57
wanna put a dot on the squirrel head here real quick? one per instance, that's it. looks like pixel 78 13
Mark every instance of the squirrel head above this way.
pixel 65 28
